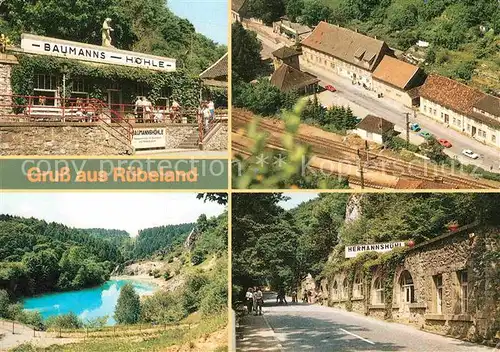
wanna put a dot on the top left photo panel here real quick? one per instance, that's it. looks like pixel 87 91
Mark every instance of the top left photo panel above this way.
pixel 114 78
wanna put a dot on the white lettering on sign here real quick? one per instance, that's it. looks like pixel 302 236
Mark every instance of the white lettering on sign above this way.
pixel 353 251
pixel 147 138
pixel 86 52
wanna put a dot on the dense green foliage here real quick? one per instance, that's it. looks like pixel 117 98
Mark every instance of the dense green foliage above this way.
pixel 36 257
pixel 262 98
pixel 141 25
pixel 163 238
pixel 275 247
pixel 182 87
pixel 128 307
pixel 204 291
pixel 334 119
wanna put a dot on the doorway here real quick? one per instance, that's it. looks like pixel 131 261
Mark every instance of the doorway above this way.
pixel 115 100
pixel 474 131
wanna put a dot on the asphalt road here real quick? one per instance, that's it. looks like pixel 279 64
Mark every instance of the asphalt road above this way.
pixel 302 327
pixel 394 112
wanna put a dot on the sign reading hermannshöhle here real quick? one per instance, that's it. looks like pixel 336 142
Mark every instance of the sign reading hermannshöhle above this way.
pixel 86 52
pixel 148 138
pixel 353 251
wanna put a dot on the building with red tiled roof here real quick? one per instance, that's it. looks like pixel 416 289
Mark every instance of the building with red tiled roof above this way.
pixel 395 78
pixel 343 52
pixel 462 108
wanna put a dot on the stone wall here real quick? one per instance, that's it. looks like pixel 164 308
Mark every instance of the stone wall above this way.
pixel 58 139
pixel 470 249
pixel 6 63
pixel 219 141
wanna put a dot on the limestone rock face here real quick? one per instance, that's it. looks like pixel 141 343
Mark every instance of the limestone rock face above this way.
pixel 191 239
pixel 353 209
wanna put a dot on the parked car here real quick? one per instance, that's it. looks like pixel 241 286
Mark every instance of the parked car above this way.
pixel 445 143
pixel 425 134
pixel 415 127
pixel 470 154
pixel 330 88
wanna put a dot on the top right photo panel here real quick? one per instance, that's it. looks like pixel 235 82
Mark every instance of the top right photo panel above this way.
pixel 356 94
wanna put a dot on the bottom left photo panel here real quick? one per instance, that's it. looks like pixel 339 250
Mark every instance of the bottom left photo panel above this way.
pixel 113 271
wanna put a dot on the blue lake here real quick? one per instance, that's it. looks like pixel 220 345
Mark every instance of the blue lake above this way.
pixel 87 304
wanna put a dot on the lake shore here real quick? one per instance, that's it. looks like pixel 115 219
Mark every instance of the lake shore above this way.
pixel 159 282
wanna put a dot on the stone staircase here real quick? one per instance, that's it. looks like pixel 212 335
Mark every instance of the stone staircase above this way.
pixel 191 142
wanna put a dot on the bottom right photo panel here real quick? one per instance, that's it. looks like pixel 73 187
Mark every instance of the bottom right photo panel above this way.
pixel 366 271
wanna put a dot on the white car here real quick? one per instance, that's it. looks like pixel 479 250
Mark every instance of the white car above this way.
pixel 470 154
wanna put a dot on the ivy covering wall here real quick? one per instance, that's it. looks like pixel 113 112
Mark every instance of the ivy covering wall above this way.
pixel 181 86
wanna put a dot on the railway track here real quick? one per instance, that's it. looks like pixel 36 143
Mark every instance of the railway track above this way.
pixel 354 180
pixel 339 152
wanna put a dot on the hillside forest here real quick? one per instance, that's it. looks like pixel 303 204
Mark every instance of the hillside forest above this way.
pixel 276 247
pixel 39 257
pixel 146 26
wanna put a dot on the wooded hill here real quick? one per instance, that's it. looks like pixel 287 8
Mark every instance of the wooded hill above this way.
pixel 277 247
pixel 37 256
pixel 146 26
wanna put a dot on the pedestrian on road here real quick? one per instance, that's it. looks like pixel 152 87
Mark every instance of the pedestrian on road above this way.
pixel 282 295
pixel 294 296
pixel 309 296
pixel 304 297
pixel 249 299
pixel 258 301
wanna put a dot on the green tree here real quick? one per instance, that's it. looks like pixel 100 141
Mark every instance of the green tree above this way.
pixel 402 14
pixel 267 10
pixel 433 150
pixel 315 12
pixel 4 303
pixel 465 70
pixel 64 321
pixel 246 59
pixel 128 308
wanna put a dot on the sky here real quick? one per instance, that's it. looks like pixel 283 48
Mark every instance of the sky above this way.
pixel 210 17
pixel 123 211
pixel 296 198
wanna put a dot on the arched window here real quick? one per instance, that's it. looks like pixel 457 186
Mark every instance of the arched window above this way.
pixel 344 289
pixel 378 291
pixel 407 287
pixel 335 290
pixel 357 288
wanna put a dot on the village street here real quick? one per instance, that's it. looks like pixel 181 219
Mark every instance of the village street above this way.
pixel 301 327
pixel 366 101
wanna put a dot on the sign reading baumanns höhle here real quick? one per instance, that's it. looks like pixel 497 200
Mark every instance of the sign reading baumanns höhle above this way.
pixel 86 52
pixel 353 251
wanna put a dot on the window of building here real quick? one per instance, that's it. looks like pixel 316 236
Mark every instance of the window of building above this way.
pixel 438 283
pixel 425 108
pixel 493 138
pixel 407 287
pixel 378 287
pixel 45 88
pixel 484 134
pixel 442 115
pixel 357 288
pixel 464 291
pixel 468 127
pixel 435 112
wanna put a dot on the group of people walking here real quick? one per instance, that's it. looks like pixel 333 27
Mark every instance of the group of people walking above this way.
pixel 254 300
